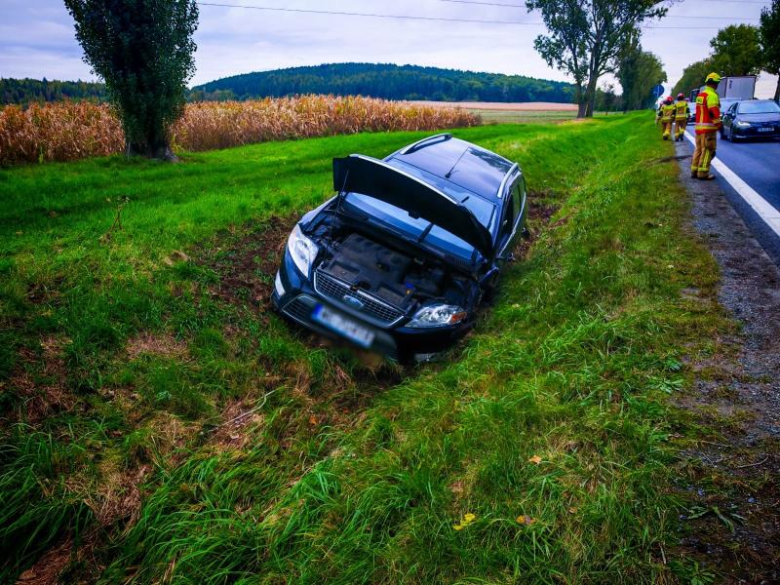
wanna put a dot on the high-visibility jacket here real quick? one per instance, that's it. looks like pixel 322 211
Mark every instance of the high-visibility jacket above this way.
pixel 707 111
pixel 667 111
pixel 681 111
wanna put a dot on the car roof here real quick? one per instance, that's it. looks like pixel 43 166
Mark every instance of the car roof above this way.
pixel 457 164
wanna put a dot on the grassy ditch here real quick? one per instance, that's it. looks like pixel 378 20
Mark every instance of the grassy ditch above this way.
pixel 160 424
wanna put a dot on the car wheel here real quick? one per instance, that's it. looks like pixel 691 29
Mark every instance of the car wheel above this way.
pixel 733 137
pixel 723 134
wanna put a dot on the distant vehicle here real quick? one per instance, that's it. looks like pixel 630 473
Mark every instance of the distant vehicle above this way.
pixel 730 90
pixel 399 260
pixel 739 88
pixel 725 104
pixel 751 119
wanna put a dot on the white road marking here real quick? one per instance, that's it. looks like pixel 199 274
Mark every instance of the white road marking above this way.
pixel 761 206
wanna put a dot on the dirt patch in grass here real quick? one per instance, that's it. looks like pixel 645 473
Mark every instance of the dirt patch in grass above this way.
pixel 161 345
pixel 47 569
pixel 246 264
pixel 119 495
pixel 733 527
pixel 40 380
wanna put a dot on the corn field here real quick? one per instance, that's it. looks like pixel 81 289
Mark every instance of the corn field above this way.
pixel 68 131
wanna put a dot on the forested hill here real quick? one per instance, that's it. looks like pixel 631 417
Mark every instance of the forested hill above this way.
pixel 407 82
pixel 25 91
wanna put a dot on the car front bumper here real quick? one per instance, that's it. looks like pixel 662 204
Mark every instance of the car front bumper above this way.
pixel 296 299
pixel 769 131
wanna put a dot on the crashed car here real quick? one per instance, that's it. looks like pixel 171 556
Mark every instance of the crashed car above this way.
pixel 400 259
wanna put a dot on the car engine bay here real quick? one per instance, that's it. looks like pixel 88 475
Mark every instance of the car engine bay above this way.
pixel 399 279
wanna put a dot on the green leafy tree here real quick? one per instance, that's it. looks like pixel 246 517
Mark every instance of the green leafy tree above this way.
pixel 638 73
pixel 585 38
pixel 693 76
pixel 736 50
pixel 143 51
pixel 769 37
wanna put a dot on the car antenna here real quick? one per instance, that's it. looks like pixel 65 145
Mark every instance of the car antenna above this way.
pixel 449 173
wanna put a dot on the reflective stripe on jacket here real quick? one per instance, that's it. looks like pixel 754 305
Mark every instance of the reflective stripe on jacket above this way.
pixel 681 110
pixel 668 112
pixel 707 111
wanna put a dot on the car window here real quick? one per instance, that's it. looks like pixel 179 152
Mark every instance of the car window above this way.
pixel 517 199
pixel 759 107
pixel 481 208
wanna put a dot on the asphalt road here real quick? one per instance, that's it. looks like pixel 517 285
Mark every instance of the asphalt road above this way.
pixel 758 165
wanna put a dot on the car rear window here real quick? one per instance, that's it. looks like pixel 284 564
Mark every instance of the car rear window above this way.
pixel 481 208
pixel 759 107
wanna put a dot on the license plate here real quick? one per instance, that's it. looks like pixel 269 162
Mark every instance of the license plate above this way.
pixel 355 332
pixel 766 129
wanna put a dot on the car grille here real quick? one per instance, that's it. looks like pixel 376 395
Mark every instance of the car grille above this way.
pixel 336 289
pixel 299 310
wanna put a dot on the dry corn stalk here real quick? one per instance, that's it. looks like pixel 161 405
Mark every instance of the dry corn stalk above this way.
pixel 68 130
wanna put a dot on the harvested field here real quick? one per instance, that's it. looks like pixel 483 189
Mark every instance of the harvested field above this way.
pixel 502 106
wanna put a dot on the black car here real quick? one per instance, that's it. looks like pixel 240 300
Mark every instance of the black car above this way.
pixel 399 260
pixel 751 119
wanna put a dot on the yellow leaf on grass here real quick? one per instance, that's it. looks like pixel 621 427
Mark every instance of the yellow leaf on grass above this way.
pixel 525 520
pixel 535 459
pixel 465 521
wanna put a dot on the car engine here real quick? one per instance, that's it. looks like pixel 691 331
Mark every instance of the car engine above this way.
pixel 398 279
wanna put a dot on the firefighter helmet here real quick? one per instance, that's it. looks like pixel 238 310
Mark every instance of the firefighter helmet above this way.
pixel 680 96
pixel 713 77
pixel 669 99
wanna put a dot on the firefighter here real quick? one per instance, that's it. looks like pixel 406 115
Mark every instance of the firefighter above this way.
pixel 708 123
pixel 667 117
pixel 680 117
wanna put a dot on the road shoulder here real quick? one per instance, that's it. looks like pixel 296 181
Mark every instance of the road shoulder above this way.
pixel 733 526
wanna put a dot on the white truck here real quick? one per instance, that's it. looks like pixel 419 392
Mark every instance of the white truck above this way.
pixel 736 88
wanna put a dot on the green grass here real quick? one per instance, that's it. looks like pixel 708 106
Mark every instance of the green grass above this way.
pixel 347 472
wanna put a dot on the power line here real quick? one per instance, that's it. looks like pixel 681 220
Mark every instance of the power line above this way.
pixel 370 14
pixel 477 3
pixel 411 17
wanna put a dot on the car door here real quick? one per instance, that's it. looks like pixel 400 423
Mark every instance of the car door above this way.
pixel 728 117
pixel 513 213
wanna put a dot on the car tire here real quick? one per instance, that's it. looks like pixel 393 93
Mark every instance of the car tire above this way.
pixel 723 134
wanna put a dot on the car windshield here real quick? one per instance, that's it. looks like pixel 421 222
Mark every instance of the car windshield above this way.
pixel 414 227
pixel 759 107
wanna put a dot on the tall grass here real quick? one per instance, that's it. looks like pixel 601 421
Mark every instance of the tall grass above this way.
pixel 553 412
pixel 68 131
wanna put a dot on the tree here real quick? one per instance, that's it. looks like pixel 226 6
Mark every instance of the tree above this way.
pixel 693 76
pixel 586 36
pixel 638 72
pixel 769 33
pixel 143 51
pixel 606 97
pixel 736 50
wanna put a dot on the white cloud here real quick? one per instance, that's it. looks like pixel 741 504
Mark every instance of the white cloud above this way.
pixel 36 37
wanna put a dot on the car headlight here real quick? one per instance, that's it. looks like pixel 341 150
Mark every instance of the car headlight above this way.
pixel 437 316
pixel 302 250
pixel 742 124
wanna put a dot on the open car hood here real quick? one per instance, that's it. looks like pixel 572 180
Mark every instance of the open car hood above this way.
pixel 376 178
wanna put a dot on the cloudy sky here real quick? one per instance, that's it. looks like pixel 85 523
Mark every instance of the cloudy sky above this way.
pixel 36 36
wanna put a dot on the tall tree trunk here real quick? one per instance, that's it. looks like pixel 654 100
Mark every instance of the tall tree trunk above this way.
pixel 590 96
pixel 581 103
